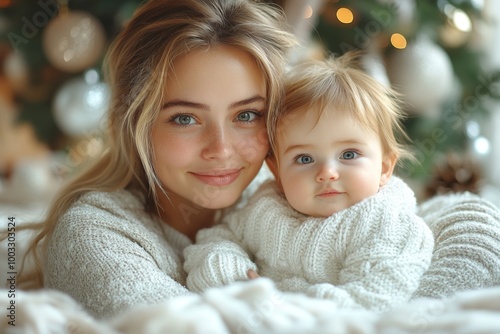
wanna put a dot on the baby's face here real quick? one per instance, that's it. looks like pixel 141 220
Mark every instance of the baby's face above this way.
pixel 330 163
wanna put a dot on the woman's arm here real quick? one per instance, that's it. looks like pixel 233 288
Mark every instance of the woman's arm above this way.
pixel 110 259
pixel 466 255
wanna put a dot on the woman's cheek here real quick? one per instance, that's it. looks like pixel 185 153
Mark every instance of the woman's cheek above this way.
pixel 175 151
pixel 255 146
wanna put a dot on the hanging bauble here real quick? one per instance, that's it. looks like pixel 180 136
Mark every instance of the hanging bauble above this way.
pixel 32 180
pixel 423 73
pixel 457 29
pixel 74 41
pixel 81 104
pixel 373 65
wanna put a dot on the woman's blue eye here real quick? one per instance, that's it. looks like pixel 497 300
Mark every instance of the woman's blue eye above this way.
pixel 304 159
pixel 184 120
pixel 349 155
pixel 247 116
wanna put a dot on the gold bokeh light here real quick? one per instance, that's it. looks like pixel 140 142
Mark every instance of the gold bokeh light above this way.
pixel 345 15
pixel 398 41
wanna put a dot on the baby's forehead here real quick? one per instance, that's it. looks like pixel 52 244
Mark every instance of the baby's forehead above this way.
pixel 300 114
pixel 314 114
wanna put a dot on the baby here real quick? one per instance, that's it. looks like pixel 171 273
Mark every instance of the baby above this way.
pixel 336 223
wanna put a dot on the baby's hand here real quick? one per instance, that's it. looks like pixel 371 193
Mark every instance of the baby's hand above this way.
pixel 252 274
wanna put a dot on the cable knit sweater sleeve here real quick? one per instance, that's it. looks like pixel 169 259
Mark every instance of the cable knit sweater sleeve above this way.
pixel 109 255
pixel 467 250
pixel 371 255
pixel 217 259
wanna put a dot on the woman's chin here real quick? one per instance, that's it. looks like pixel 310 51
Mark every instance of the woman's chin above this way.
pixel 217 203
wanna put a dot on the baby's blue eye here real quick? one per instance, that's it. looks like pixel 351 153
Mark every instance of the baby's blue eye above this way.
pixel 349 155
pixel 304 159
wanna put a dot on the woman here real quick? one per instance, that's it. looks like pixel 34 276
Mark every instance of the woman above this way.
pixel 191 84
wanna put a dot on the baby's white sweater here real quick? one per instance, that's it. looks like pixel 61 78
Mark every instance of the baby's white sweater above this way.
pixel 371 255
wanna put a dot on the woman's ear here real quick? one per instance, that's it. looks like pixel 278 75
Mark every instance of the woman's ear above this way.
pixel 273 167
pixel 272 164
pixel 388 164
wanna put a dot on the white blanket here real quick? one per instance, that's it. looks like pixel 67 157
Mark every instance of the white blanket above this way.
pixel 257 307
pixel 466 257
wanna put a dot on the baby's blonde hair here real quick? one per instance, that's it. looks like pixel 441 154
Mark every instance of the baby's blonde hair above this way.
pixel 338 83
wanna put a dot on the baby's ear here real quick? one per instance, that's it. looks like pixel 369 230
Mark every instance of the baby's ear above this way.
pixel 388 164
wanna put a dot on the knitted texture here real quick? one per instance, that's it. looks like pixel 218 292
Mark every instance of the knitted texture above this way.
pixel 371 255
pixel 467 245
pixel 109 254
pixel 256 307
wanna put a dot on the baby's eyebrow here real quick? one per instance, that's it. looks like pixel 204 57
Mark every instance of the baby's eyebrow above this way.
pixel 350 141
pixel 353 141
pixel 296 147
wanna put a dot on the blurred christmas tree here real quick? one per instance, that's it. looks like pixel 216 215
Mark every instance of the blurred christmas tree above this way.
pixel 432 51
pixel 52 54
pixel 429 50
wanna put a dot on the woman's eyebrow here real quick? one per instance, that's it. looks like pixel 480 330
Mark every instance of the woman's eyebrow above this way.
pixel 182 103
pixel 256 98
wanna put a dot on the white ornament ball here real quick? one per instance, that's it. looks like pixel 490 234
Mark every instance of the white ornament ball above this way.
pixel 374 66
pixel 423 73
pixel 31 181
pixel 80 107
pixel 74 41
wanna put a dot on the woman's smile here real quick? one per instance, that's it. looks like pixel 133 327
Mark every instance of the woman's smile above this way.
pixel 218 178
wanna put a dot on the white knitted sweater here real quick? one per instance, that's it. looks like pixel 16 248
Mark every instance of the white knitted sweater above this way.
pixel 371 255
pixel 109 254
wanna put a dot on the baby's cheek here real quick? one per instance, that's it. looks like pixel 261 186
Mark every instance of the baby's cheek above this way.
pixel 294 193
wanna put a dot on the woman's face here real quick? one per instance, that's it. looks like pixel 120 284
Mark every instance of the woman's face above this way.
pixel 210 138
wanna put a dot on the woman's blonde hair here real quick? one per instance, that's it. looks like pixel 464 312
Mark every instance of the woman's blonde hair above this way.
pixel 137 66
pixel 339 84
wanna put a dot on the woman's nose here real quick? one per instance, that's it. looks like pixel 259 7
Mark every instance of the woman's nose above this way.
pixel 218 145
pixel 328 172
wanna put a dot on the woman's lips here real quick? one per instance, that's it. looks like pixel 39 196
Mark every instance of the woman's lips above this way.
pixel 218 178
